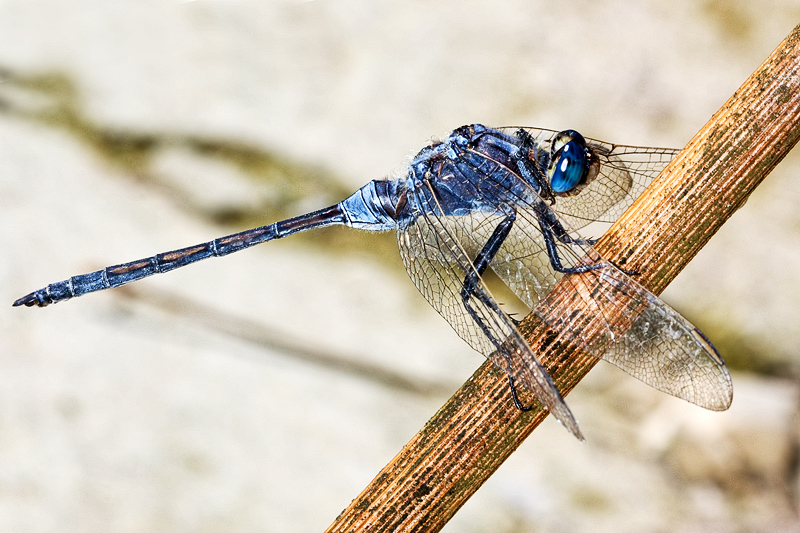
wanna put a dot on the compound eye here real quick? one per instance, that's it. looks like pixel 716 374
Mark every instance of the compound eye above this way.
pixel 569 164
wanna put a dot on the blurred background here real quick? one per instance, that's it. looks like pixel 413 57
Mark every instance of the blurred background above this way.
pixel 263 391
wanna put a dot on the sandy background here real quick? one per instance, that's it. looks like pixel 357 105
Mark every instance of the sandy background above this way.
pixel 263 391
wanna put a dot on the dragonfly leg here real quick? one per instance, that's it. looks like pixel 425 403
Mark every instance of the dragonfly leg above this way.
pixel 552 227
pixel 490 249
pixel 548 218
pixel 470 288
pixel 513 388
pixel 471 285
pixel 529 171
pixel 551 231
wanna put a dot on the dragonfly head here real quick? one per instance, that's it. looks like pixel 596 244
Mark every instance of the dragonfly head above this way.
pixel 572 164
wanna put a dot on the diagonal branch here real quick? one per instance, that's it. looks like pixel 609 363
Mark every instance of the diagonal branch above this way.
pixel 478 428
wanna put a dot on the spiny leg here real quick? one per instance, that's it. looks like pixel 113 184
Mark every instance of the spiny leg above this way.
pixel 553 229
pixel 548 217
pixel 514 397
pixel 530 172
pixel 470 288
pixel 548 231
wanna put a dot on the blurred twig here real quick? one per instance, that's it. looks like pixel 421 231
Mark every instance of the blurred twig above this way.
pixel 478 428
pixel 282 187
pixel 240 327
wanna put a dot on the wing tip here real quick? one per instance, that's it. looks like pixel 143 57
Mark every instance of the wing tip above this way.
pixel 576 432
pixel 724 397
pixel 720 402
pixel 564 416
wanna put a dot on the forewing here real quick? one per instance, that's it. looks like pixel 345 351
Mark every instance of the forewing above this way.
pixel 624 172
pixel 640 333
pixel 438 263
pixel 522 261
pixel 648 339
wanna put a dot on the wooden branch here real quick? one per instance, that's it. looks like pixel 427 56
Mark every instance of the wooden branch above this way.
pixel 478 428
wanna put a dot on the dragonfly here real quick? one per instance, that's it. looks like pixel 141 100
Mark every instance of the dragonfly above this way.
pixel 510 200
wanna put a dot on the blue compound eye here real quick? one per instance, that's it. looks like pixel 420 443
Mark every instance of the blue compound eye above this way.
pixel 569 169
pixel 569 165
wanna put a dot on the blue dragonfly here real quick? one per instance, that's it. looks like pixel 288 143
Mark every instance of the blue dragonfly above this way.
pixel 509 199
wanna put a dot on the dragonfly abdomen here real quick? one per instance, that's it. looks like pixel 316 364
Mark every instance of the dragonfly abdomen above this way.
pixel 118 275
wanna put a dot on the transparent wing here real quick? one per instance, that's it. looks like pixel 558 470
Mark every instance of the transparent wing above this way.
pixel 648 339
pixel 522 261
pixel 641 334
pixel 438 264
pixel 624 172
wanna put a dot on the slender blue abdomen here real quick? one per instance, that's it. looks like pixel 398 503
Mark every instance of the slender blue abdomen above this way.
pixel 373 207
